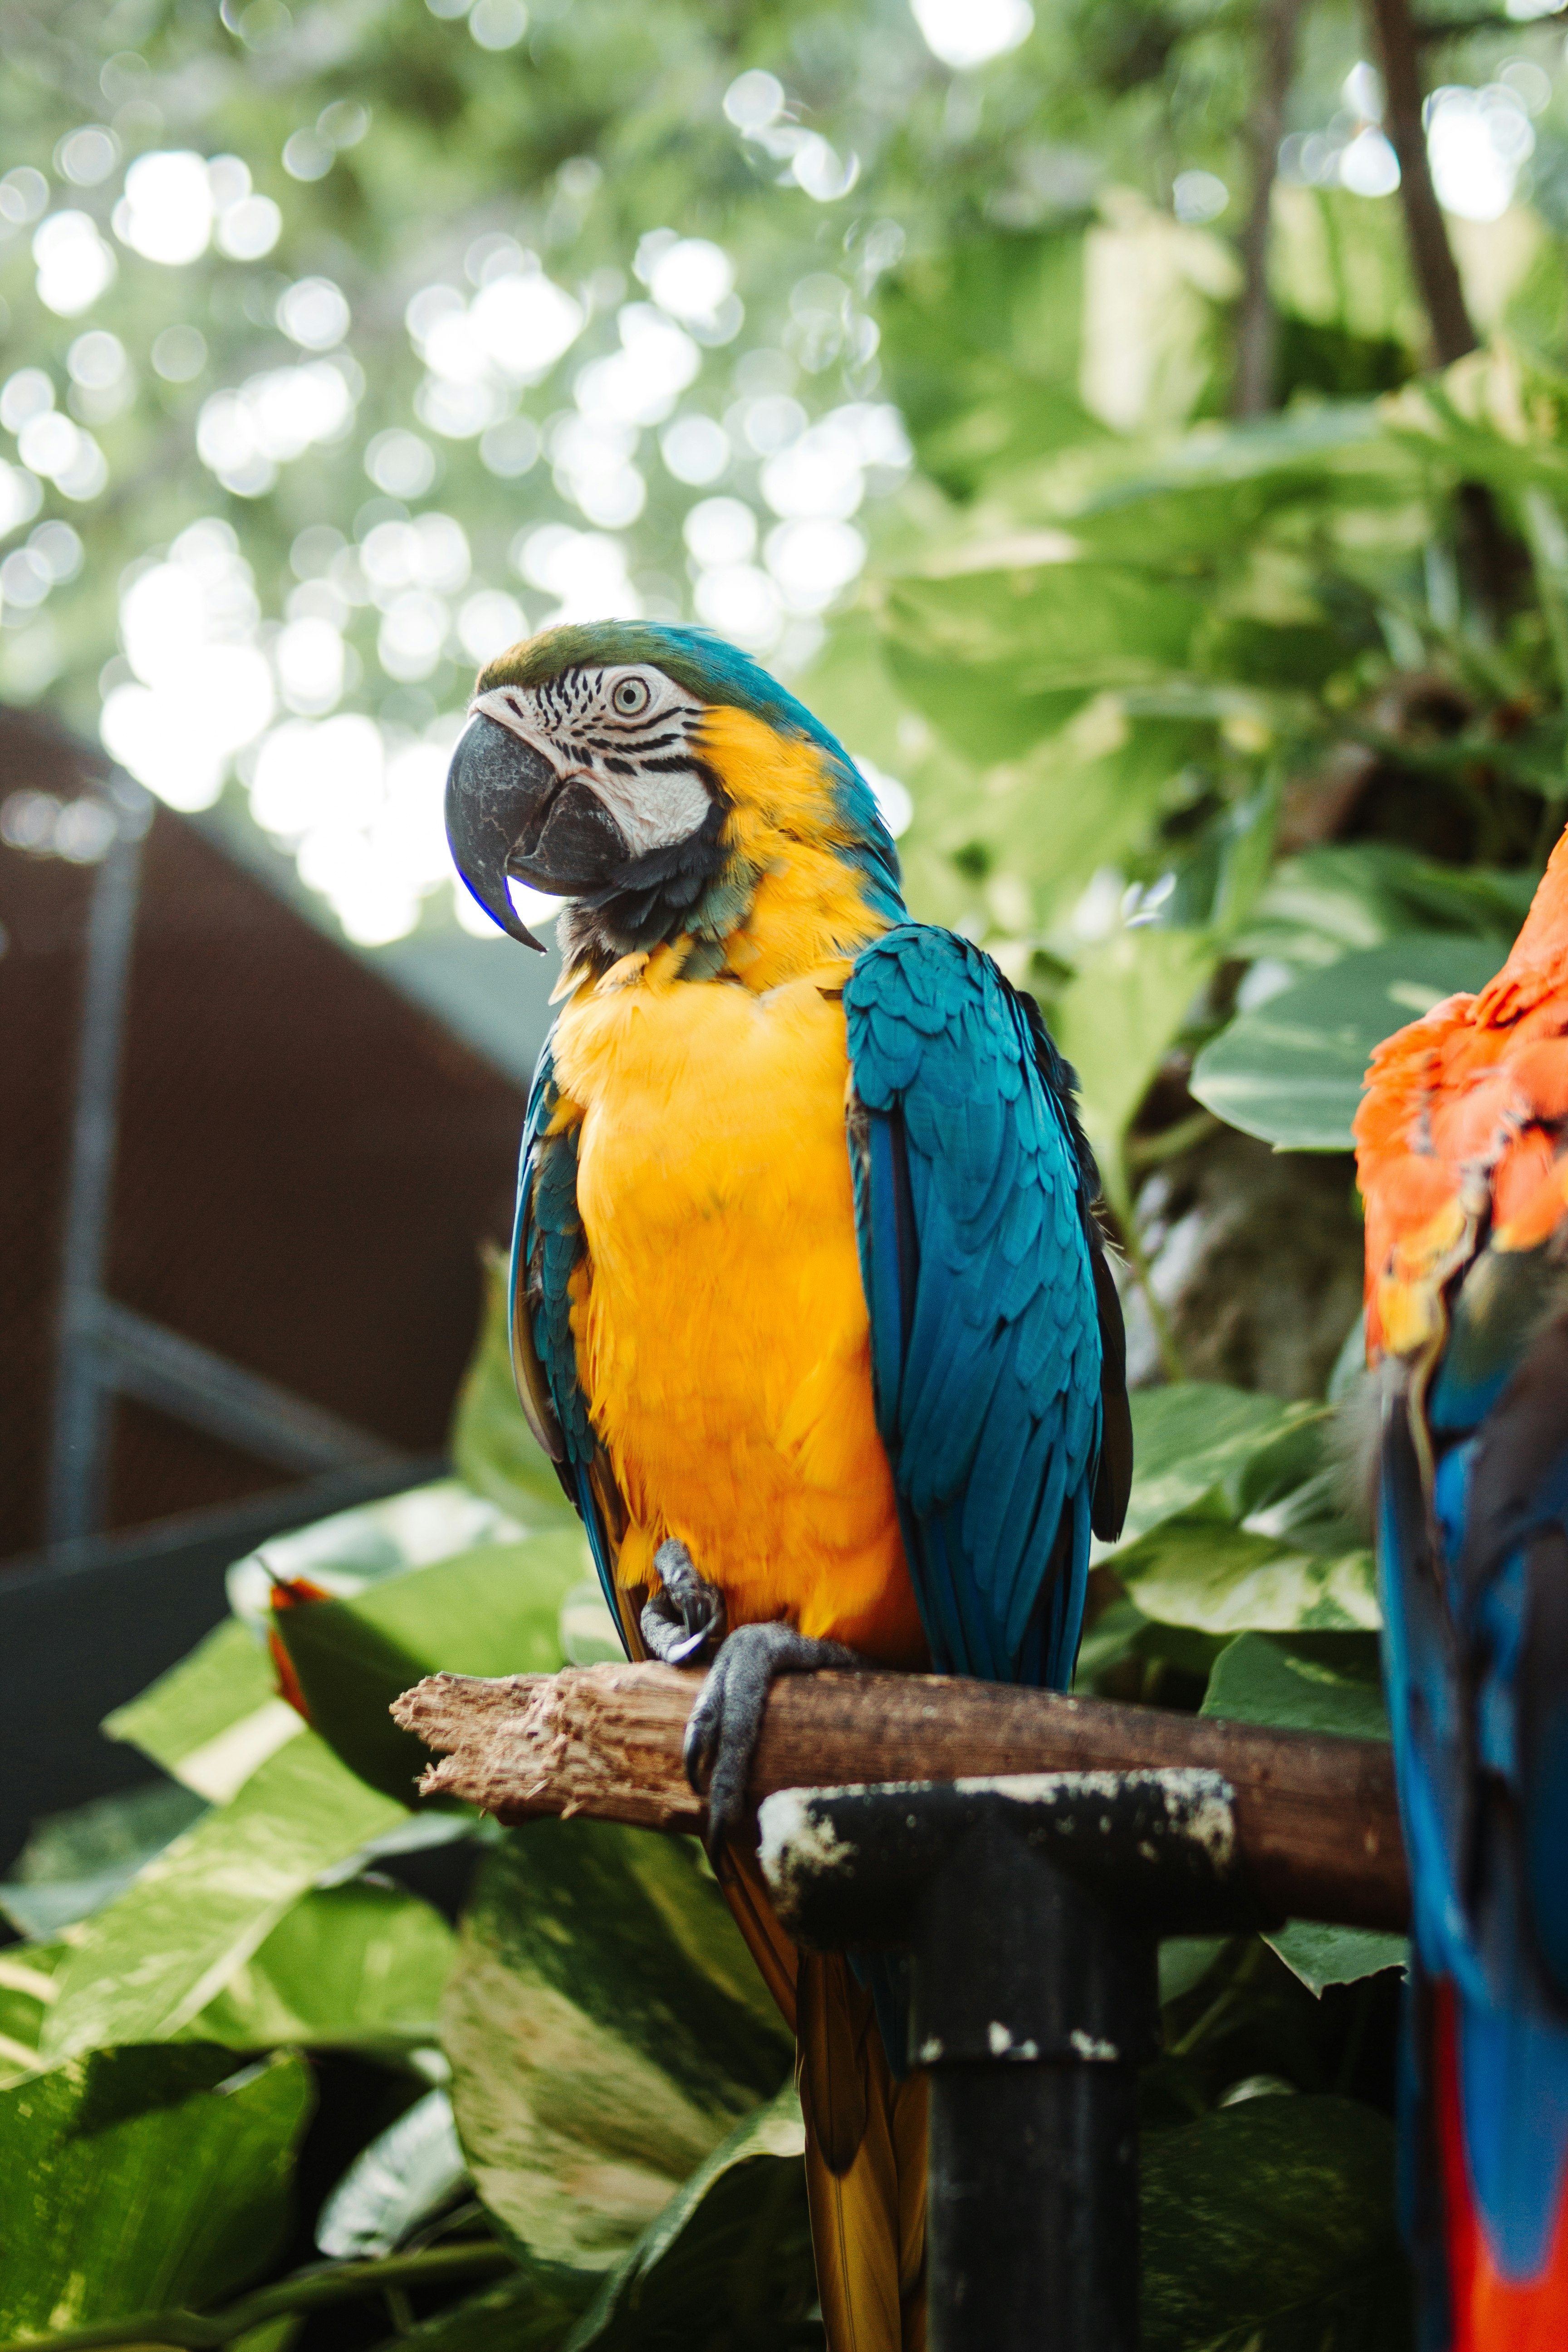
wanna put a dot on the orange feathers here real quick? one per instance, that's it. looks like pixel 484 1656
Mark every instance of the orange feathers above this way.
pixel 1463 1117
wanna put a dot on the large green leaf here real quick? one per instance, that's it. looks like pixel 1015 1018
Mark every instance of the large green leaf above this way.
pixel 1344 896
pixel 136 2179
pixel 1325 1683
pixel 1002 645
pixel 1321 1954
pixel 359 1965
pixel 76 1862
pixel 406 2174
pixel 1069 626
pixel 153 1959
pixel 1199 1568
pixel 1191 1435
pixel 1292 1070
pixel 1301 1682
pixel 979 706
pixel 1115 1020
pixel 981 343
pixel 1212 496
pixel 492 1611
pixel 728 2262
pixel 1272 2224
pixel 212 1719
pixel 27 1993
pixel 351 1550
pixel 607 2028
pixel 1084 798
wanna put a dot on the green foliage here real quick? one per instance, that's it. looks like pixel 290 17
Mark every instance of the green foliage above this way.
pixel 735 2243
pixel 985 339
pixel 1302 1682
pixel 139 2177
pixel 355 1967
pixel 1204 1570
pixel 73 1862
pixel 405 2176
pixel 214 1718
pixel 1325 1683
pixel 1129 1000
pixel 1271 2224
pixel 529 2311
pixel 607 2031
pixel 1292 1070
pixel 1235 1520
pixel 1194 1435
pixel 151 1961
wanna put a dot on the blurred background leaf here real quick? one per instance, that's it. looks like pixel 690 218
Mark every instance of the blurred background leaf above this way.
pixel 606 2030
pixel 1290 1070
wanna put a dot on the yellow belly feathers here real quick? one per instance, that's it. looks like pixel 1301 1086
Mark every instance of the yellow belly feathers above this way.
pixel 721 1321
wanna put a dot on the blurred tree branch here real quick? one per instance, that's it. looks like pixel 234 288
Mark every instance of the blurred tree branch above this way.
pixel 1398 41
pixel 1257 325
pixel 1431 255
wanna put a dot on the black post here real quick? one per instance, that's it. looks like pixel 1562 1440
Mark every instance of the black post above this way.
pixel 1032 2009
pixel 1031 1909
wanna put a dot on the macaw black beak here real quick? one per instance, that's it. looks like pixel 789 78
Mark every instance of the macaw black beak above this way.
pixel 508 811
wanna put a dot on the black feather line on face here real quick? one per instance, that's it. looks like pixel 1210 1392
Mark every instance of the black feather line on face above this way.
pixel 652 897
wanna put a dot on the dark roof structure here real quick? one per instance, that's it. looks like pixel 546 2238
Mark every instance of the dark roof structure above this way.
pixel 302 1167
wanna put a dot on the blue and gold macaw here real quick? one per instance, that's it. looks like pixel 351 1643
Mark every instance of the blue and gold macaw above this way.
pixel 810 1307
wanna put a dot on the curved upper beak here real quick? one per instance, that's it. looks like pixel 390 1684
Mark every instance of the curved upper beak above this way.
pixel 508 811
pixel 496 787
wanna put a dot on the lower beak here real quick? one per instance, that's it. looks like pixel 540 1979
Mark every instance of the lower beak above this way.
pixel 509 812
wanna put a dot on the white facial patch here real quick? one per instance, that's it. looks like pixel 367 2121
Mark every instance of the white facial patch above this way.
pixel 625 732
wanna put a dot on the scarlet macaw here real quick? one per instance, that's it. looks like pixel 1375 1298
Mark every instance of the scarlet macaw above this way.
pixel 810 1308
pixel 1459 1144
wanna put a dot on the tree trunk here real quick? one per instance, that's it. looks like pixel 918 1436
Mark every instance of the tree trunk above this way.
pixel 1257 325
pixel 1431 255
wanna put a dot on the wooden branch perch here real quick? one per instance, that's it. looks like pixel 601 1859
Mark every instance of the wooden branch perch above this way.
pixel 1317 1820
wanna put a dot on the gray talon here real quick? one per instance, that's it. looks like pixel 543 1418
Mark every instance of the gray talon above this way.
pixel 724 1726
pixel 685 1617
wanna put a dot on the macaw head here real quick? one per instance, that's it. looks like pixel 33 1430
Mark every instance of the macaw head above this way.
pixel 649 774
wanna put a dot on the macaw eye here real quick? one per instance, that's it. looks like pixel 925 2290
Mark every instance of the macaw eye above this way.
pixel 631 698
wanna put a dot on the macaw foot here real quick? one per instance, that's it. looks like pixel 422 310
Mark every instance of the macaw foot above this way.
pixel 685 1617
pixel 725 1724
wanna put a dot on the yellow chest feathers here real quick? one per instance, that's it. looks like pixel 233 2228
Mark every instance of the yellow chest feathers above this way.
pixel 719 1319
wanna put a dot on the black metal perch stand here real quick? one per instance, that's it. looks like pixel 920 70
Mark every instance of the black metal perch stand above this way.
pixel 1031 1907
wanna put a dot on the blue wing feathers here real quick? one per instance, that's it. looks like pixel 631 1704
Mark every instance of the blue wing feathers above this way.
pixel 991 1408
pixel 1474 1575
pixel 547 1242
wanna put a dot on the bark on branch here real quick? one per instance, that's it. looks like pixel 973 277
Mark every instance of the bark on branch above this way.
pixel 1316 1818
